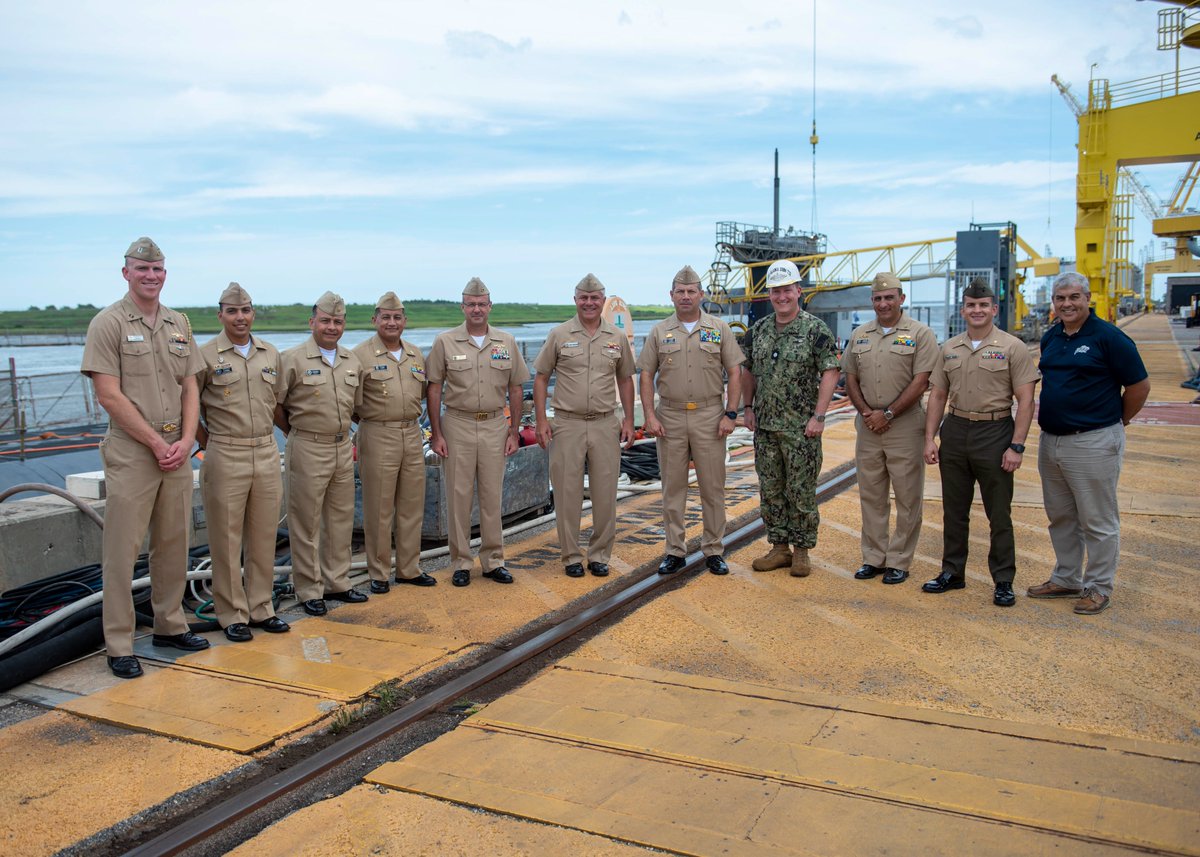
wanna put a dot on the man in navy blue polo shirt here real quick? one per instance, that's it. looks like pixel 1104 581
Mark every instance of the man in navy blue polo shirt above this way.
pixel 1093 384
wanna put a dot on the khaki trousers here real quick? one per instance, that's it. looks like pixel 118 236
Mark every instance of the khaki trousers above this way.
pixel 893 459
pixel 320 492
pixel 692 435
pixel 598 442
pixel 391 465
pixel 476 456
pixel 141 497
pixel 242 487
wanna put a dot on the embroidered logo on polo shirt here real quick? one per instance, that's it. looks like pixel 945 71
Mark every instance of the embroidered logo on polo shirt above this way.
pixel 1083 349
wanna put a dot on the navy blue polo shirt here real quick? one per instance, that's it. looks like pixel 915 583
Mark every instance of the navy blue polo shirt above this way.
pixel 1083 375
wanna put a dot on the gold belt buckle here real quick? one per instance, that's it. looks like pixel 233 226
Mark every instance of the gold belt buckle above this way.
pixel 691 406
pixel 483 415
pixel 170 427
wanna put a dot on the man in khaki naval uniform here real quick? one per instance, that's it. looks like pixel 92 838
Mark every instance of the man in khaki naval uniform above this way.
pixel 320 381
pixel 239 478
pixel 593 363
pixel 691 352
pixel 887 366
pixel 143 362
pixel 391 457
pixel 979 373
pixel 476 369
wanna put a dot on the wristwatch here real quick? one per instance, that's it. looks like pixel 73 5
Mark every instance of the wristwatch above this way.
pixel 819 417
pixel 888 415
pixel 731 415
pixel 1018 448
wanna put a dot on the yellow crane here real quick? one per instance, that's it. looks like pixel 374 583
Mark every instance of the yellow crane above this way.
pixel 1151 120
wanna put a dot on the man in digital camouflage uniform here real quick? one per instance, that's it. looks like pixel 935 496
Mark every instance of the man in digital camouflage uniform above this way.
pixel 788 380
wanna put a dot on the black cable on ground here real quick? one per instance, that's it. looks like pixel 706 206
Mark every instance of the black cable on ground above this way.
pixel 22 666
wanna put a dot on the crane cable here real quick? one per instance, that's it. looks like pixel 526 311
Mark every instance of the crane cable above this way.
pixel 813 139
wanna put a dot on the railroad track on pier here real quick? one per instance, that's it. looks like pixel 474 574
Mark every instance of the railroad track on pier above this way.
pixel 192 833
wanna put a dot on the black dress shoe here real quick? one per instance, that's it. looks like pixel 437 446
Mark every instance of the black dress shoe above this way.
pixel 867 572
pixel 350 596
pixel 500 575
pixel 462 577
pixel 238 633
pixel 315 607
pixel 1003 596
pixel 575 569
pixel 944 582
pixel 671 564
pixel 379 587
pixel 599 569
pixel 126 666
pixel 272 625
pixel 717 565
pixel 895 575
pixel 421 579
pixel 187 641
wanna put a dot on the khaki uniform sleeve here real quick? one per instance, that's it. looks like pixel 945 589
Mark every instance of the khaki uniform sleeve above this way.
pixel 520 372
pixel 1022 368
pixel 102 347
pixel 928 352
pixel 626 365
pixel 648 359
pixel 435 366
pixel 938 378
pixel 731 353
pixel 547 358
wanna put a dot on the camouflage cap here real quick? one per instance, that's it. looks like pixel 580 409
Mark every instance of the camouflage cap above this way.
pixel 331 304
pixel 145 250
pixel 389 300
pixel 234 295
pixel 886 280
pixel 590 284
pixel 687 276
pixel 476 288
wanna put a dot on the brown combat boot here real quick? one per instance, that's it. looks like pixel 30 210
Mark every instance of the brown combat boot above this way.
pixel 800 566
pixel 780 556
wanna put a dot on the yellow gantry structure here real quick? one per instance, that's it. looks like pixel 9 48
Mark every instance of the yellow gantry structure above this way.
pixel 1151 120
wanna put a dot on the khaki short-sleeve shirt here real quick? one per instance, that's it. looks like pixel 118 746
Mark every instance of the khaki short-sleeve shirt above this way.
pixel 238 394
pixel 982 381
pixel 476 379
pixel 585 366
pixel 392 388
pixel 318 397
pixel 151 362
pixel 886 363
pixel 691 367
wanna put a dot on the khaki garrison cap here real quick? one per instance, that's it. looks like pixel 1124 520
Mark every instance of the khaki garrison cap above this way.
pixel 234 295
pixel 590 284
pixel 331 304
pixel 389 300
pixel 687 276
pixel 475 288
pixel 886 280
pixel 145 250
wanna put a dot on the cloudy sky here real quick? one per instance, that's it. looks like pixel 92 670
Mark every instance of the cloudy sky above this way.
pixel 365 146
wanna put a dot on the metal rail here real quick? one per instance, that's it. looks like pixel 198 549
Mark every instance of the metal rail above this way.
pixel 196 830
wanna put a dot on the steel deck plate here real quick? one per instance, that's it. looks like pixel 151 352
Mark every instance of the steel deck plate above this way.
pixel 704 765
pixel 214 711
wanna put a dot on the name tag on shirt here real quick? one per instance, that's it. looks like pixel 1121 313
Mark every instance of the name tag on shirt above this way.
pixel 458 357
pixel 570 345
pixel 381 367
pixel 312 371
pixel 135 337
pixel 221 370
